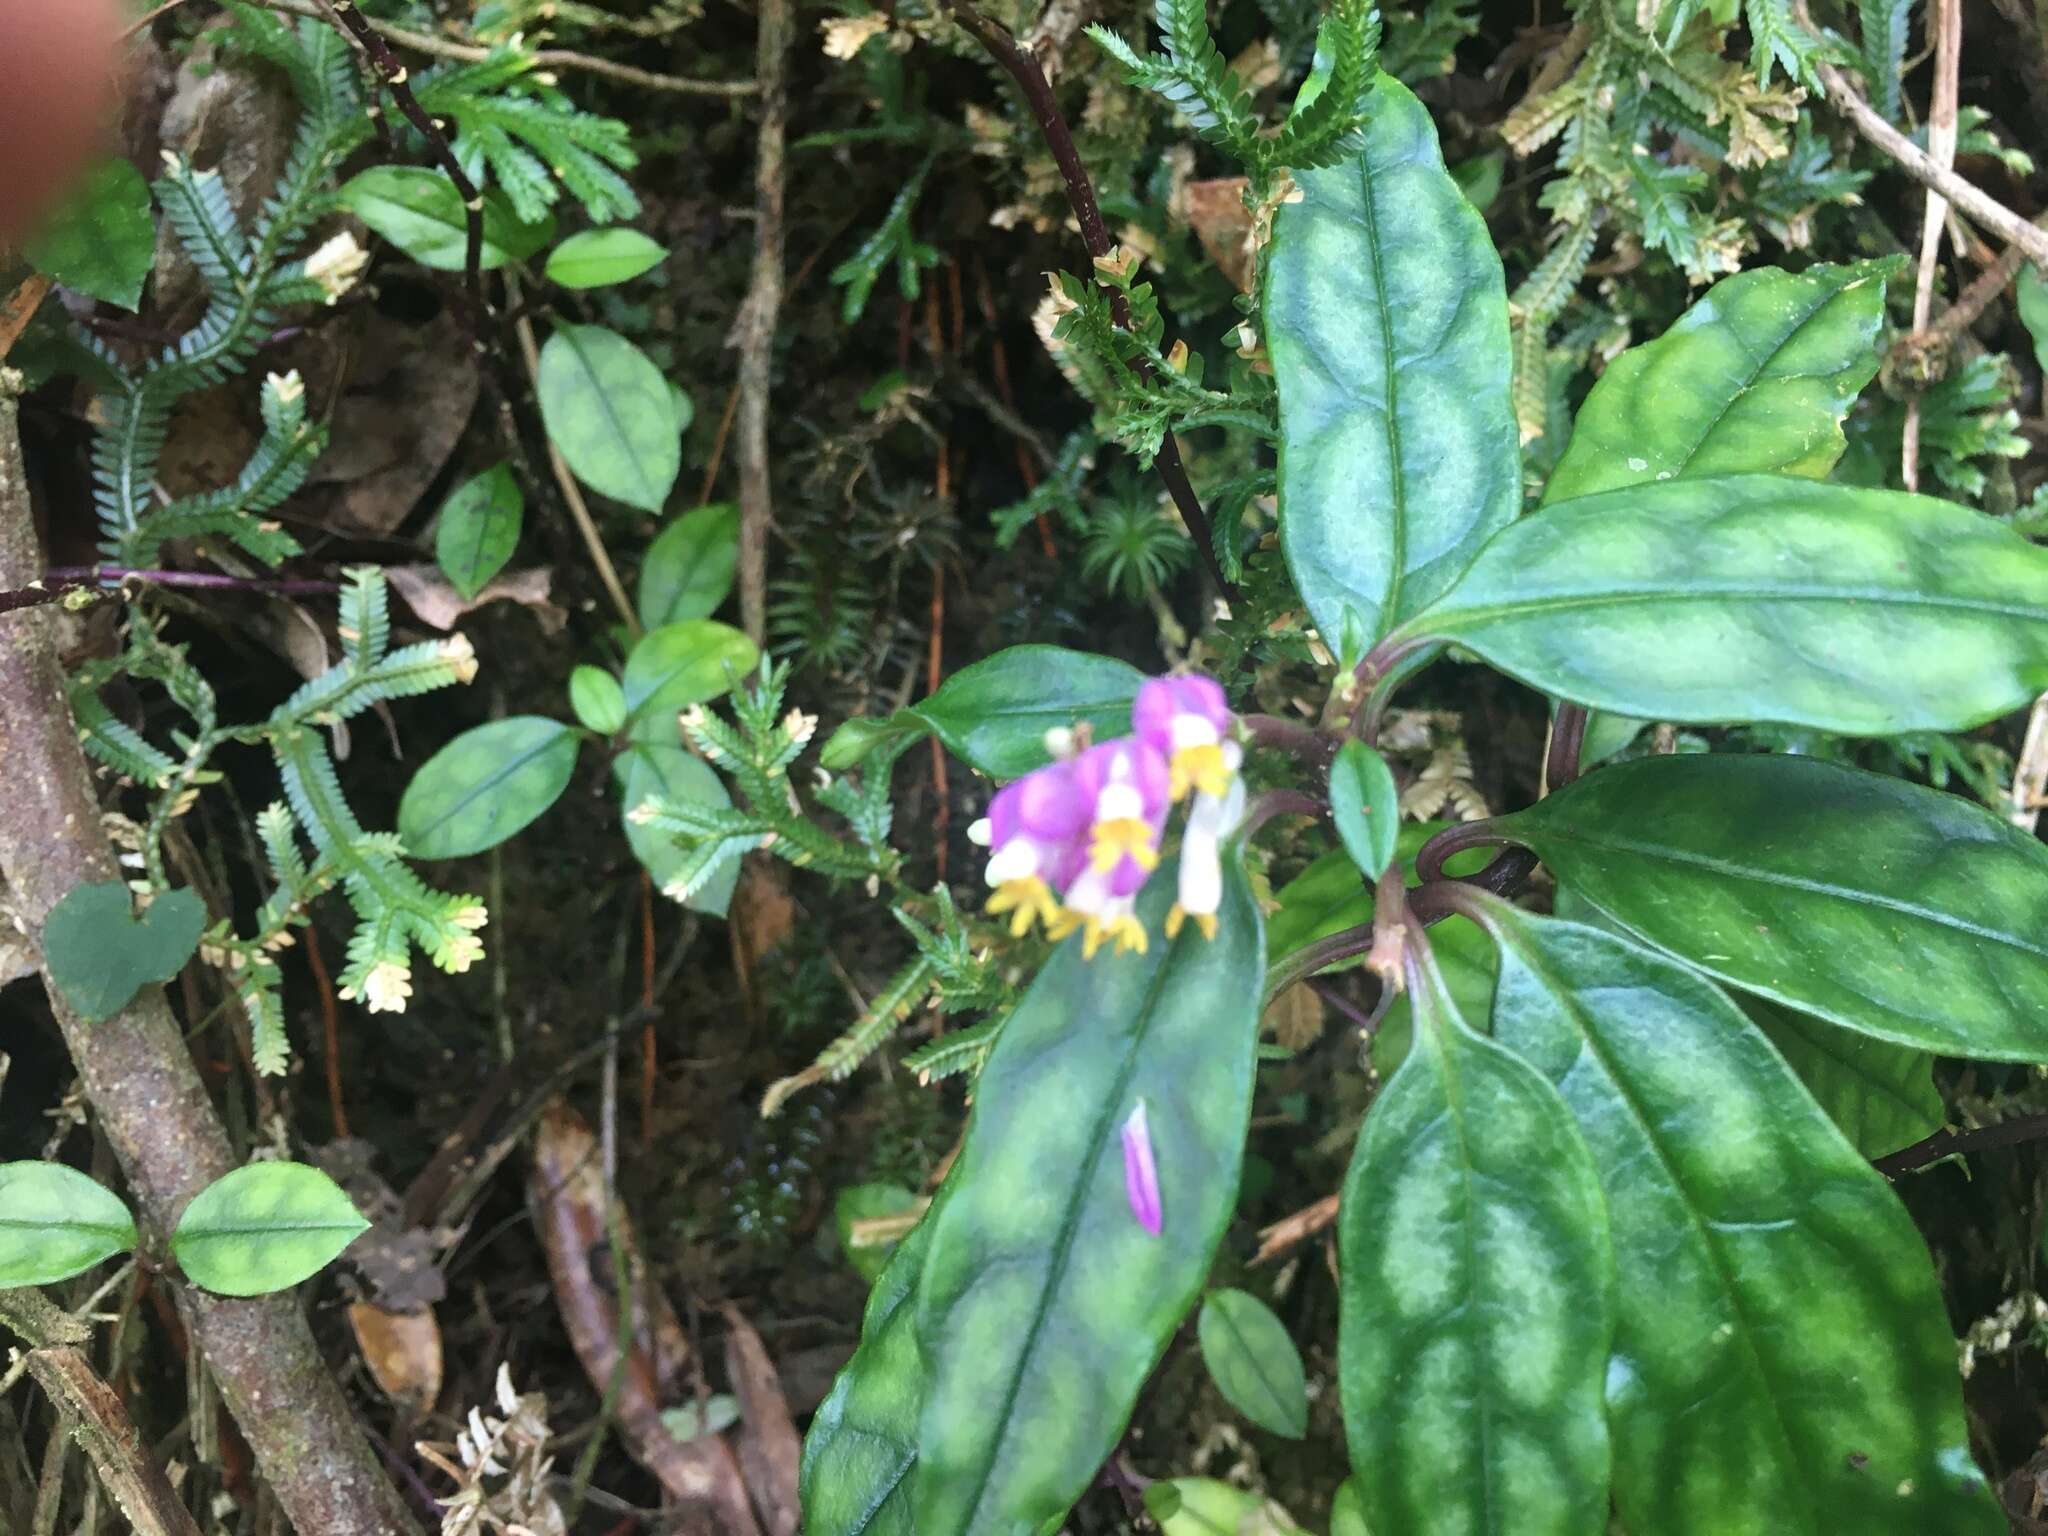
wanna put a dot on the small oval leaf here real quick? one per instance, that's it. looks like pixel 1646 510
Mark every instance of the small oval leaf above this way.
pixel 486 785
pixel 1365 803
pixel 597 258
pixel 102 239
pixel 690 566
pixel 1253 1361
pixel 100 954
pixel 421 212
pixel 611 415
pixel 1761 598
pixel 55 1222
pixel 994 714
pixel 597 699
pixel 1890 909
pixel 479 529
pixel 263 1228
pixel 685 663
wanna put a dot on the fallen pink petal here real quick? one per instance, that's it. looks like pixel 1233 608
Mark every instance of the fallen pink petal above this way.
pixel 1141 1175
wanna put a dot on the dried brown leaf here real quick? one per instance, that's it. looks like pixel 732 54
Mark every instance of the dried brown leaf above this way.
pixel 402 1351
pixel 436 603
pixel 769 1447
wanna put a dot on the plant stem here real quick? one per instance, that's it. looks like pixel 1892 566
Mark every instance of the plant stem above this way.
pixel 1949 1143
pixel 1567 743
pixel 394 75
pixel 142 1085
pixel 1023 68
pixel 754 332
pixel 60 581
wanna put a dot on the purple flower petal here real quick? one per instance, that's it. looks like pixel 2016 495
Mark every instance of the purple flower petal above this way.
pixel 1141 1177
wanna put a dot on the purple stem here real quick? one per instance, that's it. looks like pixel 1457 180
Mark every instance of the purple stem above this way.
pixel 62 579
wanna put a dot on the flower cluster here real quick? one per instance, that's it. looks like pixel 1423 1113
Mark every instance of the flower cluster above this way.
pixel 1072 844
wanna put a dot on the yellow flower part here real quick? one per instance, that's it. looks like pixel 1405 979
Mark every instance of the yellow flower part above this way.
pixel 1124 835
pixel 1127 931
pixel 1028 900
pixel 1206 921
pixel 1203 768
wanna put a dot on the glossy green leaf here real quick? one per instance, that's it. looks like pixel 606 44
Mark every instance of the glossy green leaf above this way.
pixel 1387 324
pixel 851 744
pixel 1890 909
pixel 688 662
pixel 862 1443
pixel 994 714
pixel 1476 1297
pixel 597 258
pixel 1044 1303
pixel 597 699
pixel 479 529
pixel 1782 1361
pixel 55 1222
pixel 264 1227
pixel 1365 804
pixel 1762 597
pixel 664 768
pixel 1756 376
pixel 420 212
pixel 690 566
pixel 486 785
pixel 1253 1361
pixel 101 241
pixel 1204 1506
pixel 611 414
pixel 1347 1518
pixel 1879 1094
pixel 2033 302
pixel 100 954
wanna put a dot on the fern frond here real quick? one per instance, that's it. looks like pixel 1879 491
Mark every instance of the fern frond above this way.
pixel 899 996
pixel 951 1055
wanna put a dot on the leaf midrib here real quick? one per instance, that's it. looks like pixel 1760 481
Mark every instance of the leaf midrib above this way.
pixel 1446 616
pixel 1070 1224
pixel 497 777
pixel 1732 871
pixel 631 451
pixel 1708 1235
pixel 1398 532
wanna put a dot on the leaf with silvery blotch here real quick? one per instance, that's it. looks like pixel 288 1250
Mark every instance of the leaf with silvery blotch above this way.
pixel 1759 1257
pixel 1037 1223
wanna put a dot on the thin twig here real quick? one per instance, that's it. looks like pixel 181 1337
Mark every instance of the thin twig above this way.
pixel 61 581
pixel 543 58
pixel 754 331
pixel 1941 149
pixel 1023 67
pixel 395 75
pixel 1567 742
pixel 1916 163
pixel 1949 1143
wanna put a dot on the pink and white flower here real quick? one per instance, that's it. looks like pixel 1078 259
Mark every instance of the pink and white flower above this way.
pixel 1187 721
pixel 1036 831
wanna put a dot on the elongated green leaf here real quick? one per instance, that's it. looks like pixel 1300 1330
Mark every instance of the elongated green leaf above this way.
pixel 1476 1298
pixel 688 662
pixel 263 1228
pixel 56 1222
pixel 479 529
pixel 862 1443
pixel 421 213
pixel 1880 1095
pixel 101 240
pixel 486 785
pixel 663 768
pixel 612 415
pixel 1045 1302
pixel 994 714
pixel 690 566
pixel 1892 910
pixel 1365 804
pixel 1387 323
pixel 1762 597
pixel 1756 376
pixel 1782 1362
pixel 1253 1361
pixel 597 258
